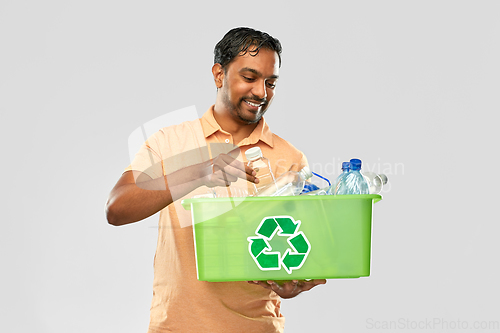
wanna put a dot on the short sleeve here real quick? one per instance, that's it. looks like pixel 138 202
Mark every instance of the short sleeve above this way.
pixel 148 159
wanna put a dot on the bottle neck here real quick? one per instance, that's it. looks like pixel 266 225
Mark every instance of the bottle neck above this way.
pixel 303 175
pixel 255 159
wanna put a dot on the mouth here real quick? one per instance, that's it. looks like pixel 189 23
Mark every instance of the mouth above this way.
pixel 254 105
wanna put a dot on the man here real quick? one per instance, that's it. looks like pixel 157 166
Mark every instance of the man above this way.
pixel 190 158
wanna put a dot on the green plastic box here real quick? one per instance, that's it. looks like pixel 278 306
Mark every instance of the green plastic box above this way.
pixel 282 238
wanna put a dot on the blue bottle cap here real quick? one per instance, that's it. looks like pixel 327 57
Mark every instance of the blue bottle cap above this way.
pixel 346 165
pixel 355 164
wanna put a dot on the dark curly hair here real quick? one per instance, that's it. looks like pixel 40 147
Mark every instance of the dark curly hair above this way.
pixel 238 41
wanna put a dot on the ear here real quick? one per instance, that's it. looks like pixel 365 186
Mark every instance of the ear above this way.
pixel 218 74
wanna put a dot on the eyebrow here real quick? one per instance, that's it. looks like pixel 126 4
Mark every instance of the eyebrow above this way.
pixel 256 72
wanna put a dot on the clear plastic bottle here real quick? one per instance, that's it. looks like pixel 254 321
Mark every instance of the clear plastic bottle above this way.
pixel 375 181
pixel 353 182
pixel 289 183
pixel 346 166
pixel 261 166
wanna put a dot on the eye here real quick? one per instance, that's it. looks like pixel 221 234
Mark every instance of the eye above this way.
pixel 271 85
pixel 249 79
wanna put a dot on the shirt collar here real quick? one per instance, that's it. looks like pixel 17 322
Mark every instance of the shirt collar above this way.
pixel 261 132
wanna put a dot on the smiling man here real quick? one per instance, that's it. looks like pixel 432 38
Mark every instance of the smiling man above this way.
pixel 252 79
pixel 182 160
pixel 245 83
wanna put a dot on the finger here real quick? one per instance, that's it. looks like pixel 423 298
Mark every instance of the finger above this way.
pixel 225 177
pixel 229 159
pixel 263 284
pixel 251 175
pixel 319 281
pixel 217 179
pixel 308 285
pixel 290 286
pixel 221 176
pixel 243 171
pixel 273 285
pixel 236 168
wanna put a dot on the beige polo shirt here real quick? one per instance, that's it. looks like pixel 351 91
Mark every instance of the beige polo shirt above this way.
pixel 180 302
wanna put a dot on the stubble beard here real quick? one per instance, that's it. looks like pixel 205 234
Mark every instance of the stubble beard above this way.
pixel 235 110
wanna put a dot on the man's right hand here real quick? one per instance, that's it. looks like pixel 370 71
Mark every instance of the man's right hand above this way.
pixel 136 197
pixel 226 169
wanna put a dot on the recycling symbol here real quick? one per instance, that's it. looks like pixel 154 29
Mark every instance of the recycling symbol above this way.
pixel 264 256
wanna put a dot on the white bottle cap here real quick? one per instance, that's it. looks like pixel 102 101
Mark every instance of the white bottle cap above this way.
pixel 384 178
pixel 253 153
pixel 306 172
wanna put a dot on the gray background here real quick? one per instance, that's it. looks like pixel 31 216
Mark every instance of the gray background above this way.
pixel 410 87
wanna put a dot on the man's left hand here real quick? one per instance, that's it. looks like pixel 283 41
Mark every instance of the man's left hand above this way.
pixel 289 289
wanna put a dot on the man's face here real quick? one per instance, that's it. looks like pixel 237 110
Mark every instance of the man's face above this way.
pixel 249 85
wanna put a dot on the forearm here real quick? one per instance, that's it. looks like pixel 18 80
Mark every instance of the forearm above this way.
pixel 137 196
pixel 132 201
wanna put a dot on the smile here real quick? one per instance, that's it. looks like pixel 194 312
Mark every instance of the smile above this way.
pixel 254 104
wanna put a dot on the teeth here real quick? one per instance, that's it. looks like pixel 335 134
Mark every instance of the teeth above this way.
pixel 253 104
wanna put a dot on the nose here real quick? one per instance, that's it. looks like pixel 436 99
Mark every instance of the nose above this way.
pixel 259 89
